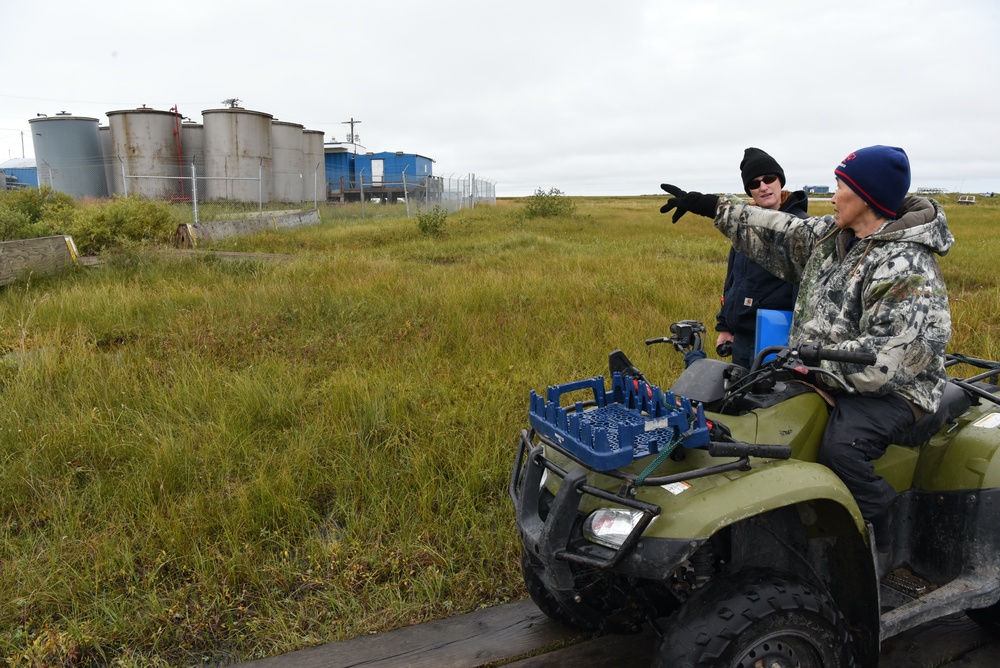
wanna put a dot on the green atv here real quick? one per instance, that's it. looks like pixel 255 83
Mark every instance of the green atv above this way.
pixel 702 511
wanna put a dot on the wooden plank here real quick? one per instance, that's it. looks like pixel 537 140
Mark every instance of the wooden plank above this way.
pixel 603 652
pixel 44 255
pixel 933 643
pixel 927 646
pixel 491 636
pixel 190 235
pixel 520 636
pixel 985 657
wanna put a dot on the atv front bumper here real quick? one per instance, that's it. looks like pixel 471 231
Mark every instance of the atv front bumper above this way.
pixel 550 527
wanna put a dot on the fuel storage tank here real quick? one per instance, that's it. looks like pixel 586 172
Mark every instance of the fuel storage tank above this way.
pixel 314 166
pixel 286 161
pixel 146 157
pixel 237 154
pixel 68 154
pixel 193 155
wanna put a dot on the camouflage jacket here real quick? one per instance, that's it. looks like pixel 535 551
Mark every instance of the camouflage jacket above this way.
pixel 884 294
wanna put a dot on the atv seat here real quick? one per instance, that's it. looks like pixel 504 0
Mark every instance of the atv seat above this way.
pixel 954 402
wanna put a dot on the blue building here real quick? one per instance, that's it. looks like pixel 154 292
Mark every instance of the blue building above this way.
pixel 20 173
pixel 387 175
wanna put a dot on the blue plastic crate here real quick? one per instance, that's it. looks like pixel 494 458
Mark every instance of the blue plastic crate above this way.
pixel 633 420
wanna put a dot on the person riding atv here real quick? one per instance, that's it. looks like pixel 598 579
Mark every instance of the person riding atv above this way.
pixel 782 552
pixel 702 511
pixel 868 280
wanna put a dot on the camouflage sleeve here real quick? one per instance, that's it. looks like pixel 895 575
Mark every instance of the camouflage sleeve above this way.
pixel 779 242
pixel 907 323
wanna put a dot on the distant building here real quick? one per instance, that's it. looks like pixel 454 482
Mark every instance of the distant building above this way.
pixel 350 170
pixel 20 172
pixel 816 190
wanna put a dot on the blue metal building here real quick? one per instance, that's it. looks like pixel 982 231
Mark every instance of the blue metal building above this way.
pixel 23 170
pixel 387 174
pixel 388 167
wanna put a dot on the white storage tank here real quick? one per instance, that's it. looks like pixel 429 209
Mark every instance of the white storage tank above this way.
pixel 286 161
pixel 146 152
pixel 193 154
pixel 104 132
pixel 68 154
pixel 237 155
pixel 314 166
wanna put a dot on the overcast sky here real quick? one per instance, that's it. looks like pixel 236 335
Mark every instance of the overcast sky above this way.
pixel 593 97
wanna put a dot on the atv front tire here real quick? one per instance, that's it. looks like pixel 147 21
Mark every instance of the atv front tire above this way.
pixel 756 618
pixel 545 601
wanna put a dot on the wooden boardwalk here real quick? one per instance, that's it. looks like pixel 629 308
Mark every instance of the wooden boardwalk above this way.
pixel 519 635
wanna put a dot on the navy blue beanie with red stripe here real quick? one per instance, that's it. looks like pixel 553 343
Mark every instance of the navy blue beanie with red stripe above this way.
pixel 880 175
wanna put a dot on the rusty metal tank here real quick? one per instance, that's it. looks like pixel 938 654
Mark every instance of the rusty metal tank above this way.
pixel 286 161
pixel 146 153
pixel 314 167
pixel 237 155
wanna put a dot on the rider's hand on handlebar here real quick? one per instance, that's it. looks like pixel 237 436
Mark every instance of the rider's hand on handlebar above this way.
pixel 724 344
pixel 682 202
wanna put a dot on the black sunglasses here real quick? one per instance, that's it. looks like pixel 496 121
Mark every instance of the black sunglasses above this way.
pixel 767 178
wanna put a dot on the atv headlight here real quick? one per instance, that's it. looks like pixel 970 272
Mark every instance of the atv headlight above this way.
pixel 611 526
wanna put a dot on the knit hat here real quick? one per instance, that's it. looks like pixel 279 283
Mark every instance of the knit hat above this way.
pixel 880 175
pixel 758 163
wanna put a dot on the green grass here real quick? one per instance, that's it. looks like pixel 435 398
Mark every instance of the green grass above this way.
pixel 205 459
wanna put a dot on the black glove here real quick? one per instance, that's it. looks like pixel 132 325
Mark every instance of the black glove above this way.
pixel 703 205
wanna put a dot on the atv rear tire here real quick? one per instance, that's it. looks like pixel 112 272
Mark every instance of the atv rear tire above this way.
pixel 545 601
pixel 756 618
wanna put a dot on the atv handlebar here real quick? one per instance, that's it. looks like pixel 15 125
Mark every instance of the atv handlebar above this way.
pixel 811 353
pixel 686 336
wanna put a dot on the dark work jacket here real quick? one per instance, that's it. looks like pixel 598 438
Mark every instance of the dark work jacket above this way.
pixel 748 281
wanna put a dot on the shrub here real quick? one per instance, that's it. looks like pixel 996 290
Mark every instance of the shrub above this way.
pixel 432 222
pixel 122 222
pixel 31 212
pixel 548 204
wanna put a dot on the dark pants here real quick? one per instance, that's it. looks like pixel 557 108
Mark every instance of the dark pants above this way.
pixel 859 430
pixel 743 349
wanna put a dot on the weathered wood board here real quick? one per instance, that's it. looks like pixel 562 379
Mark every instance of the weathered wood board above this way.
pixel 191 234
pixel 520 636
pixel 492 636
pixel 43 255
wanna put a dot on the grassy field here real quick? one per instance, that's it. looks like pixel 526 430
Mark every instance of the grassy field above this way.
pixel 207 460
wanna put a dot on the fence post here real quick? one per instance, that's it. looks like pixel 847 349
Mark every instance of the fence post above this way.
pixel 361 187
pixel 194 189
pixel 406 198
pixel 260 188
pixel 124 180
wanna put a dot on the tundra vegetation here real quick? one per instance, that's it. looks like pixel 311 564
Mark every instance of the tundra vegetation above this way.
pixel 209 460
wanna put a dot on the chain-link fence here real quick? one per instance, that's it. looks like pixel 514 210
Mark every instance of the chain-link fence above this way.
pixel 450 193
pixel 232 187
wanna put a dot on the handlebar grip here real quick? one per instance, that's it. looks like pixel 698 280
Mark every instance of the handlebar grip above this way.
pixel 848 356
pixel 719 449
pixel 812 352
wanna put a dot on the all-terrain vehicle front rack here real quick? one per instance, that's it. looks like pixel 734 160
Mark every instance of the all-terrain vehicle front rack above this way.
pixel 634 420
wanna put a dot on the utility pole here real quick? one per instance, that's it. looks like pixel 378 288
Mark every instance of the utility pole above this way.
pixel 352 138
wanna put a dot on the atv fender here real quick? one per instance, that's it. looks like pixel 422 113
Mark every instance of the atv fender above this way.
pixel 709 504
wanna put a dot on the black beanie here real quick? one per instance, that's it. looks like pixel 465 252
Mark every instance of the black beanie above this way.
pixel 880 175
pixel 758 163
